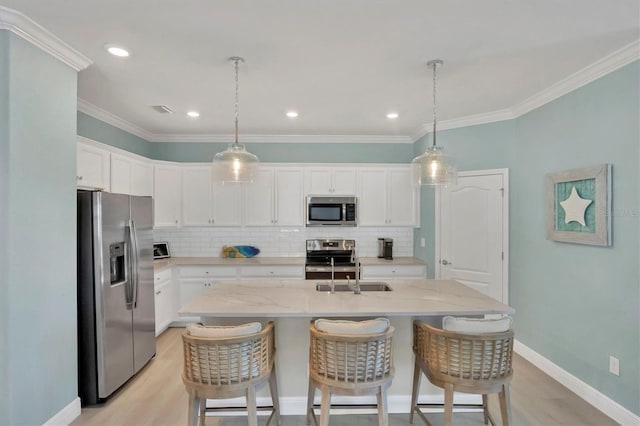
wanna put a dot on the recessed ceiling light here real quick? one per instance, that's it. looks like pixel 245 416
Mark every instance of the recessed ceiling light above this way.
pixel 193 114
pixel 392 115
pixel 292 114
pixel 117 50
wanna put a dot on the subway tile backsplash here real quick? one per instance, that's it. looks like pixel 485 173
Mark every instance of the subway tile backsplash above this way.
pixel 278 242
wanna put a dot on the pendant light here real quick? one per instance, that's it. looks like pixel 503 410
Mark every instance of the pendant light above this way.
pixel 235 164
pixel 434 167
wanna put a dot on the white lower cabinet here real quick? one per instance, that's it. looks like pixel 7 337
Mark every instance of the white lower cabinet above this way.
pixel 194 280
pixel 164 300
pixel 280 272
pixel 393 272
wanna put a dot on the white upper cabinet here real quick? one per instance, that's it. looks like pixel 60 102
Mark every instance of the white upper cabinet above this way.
pixel 289 202
pixel 275 198
pixel 166 195
pixel 131 176
pixel 196 196
pixel 227 204
pixel 92 167
pixel 330 180
pixel 141 178
pixel 387 197
pixel 258 199
pixel 206 203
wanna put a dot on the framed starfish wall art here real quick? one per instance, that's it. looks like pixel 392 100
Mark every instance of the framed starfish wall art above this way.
pixel 579 206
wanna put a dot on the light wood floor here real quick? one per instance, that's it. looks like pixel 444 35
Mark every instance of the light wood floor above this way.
pixel 157 397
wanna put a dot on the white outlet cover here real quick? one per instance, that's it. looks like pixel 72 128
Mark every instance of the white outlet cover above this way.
pixel 614 365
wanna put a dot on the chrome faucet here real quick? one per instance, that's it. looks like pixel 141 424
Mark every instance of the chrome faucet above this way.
pixel 355 260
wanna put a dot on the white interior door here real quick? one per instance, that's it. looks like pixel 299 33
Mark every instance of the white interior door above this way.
pixel 472 238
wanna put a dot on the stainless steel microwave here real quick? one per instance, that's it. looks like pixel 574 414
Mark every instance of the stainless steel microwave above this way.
pixel 331 211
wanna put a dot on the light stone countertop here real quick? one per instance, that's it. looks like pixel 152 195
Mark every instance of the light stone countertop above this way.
pixel 162 264
pixel 299 298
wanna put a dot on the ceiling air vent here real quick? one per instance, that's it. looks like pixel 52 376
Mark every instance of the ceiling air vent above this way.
pixel 162 109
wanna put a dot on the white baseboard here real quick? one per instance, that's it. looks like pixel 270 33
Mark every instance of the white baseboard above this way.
pixel 65 416
pixel 397 404
pixel 594 397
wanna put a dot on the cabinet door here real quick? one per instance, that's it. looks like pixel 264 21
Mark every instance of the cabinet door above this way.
pixel 190 289
pixel 372 203
pixel 289 198
pixel 318 181
pixel 196 196
pixel 92 167
pixel 163 307
pixel 227 204
pixel 120 174
pixel 401 198
pixel 258 199
pixel 141 178
pixel 344 181
pixel 166 195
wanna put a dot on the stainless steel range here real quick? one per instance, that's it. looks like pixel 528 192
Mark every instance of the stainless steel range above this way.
pixel 321 253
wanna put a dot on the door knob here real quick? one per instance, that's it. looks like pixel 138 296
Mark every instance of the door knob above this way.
pixel 445 262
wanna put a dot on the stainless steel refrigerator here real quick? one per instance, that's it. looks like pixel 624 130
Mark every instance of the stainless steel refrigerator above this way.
pixel 116 317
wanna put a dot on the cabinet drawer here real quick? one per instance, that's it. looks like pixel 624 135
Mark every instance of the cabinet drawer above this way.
pixel 228 272
pixel 161 276
pixel 296 271
pixel 390 271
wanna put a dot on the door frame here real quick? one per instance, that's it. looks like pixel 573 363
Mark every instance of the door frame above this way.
pixel 505 225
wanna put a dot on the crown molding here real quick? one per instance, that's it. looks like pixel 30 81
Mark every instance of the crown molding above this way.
pixel 25 27
pixel 283 138
pixel 469 120
pixel 598 69
pixel 109 118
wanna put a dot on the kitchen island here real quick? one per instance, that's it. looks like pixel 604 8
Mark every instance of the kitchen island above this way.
pixel 292 304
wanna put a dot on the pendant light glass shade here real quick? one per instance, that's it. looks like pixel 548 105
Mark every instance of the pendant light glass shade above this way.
pixel 434 167
pixel 235 164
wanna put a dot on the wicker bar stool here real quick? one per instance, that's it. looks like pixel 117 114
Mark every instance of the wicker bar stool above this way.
pixel 468 360
pixel 229 366
pixel 352 362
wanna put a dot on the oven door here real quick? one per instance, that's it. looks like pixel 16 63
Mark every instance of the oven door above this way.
pixel 324 272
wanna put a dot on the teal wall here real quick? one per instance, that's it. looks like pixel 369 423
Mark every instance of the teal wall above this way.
pixel 97 130
pixel 575 304
pixel 291 152
pixel 39 343
pixel 4 228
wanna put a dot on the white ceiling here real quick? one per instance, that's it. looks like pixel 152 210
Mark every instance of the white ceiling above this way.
pixel 343 64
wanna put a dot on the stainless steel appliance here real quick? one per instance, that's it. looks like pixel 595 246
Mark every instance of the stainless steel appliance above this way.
pixel 385 248
pixel 116 317
pixel 331 211
pixel 321 254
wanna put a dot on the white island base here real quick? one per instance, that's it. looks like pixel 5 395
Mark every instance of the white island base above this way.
pixel 292 304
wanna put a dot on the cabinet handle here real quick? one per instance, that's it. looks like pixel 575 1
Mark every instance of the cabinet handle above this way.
pixel 158 292
pixel 176 221
pixel 79 177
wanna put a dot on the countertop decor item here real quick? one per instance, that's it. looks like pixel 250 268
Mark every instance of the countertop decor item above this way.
pixel 434 167
pixel 235 164
pixel 239 251
pixel 579 206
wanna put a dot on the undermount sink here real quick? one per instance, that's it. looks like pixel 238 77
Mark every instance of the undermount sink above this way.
pixel 364 286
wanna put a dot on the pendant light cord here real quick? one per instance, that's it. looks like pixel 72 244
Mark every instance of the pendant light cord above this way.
pixel 237 60
pixel 435 65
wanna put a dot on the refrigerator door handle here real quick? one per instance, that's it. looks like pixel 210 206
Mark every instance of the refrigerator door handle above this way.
pixel 136 277
pixel 131 267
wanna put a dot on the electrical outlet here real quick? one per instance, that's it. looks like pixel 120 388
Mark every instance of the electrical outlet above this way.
pixel 614 365
pixel 423 242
